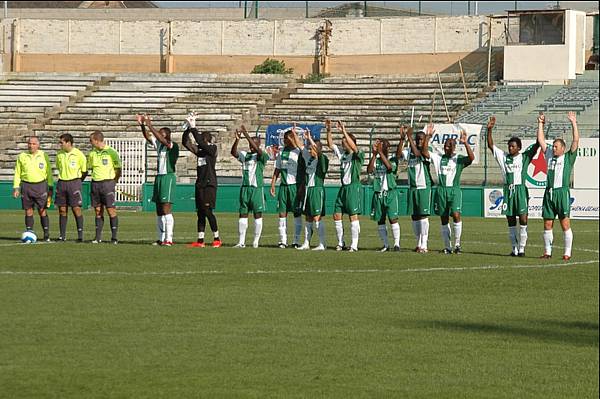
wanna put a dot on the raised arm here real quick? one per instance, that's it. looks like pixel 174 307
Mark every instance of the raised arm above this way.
pixel 573 118
pixel 351 143
pixel 187 142
pixel 429 130
pixel 329 138
pixel 411 142
pixel 298 143
pixel 371 165
pixel 234 150
pixel 401 142
pixel 490 128
pixel 463 140
pixel 155 132
pixel 141 119
pixel 541 139
pixel 251 142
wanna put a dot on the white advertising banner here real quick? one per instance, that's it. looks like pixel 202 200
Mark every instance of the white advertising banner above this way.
pixel 584 203
pixel 585 171
pixel 585 174
pixel 447 131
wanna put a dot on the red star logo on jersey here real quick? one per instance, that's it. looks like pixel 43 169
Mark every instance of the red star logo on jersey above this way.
pixel 539 164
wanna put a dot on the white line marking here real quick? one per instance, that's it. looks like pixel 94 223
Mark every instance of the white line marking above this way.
pixel 305 271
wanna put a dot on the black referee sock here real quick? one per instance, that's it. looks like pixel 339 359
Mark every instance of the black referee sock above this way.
pixel 62 226
pixel 99 227
pixel 29 222
pixel 46 226
pixel 114 227
pixel 79 221
pixel 212 220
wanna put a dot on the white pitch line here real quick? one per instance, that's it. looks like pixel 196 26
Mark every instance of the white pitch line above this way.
pixel 305 271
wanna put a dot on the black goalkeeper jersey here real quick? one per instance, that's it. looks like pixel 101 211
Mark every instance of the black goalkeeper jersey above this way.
pixel 207 159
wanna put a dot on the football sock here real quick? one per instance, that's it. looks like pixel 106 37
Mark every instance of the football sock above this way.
pixel 416 225
pixel 160 228
pixel 568 241
pixel 79 223
pixel 548 238
pixel 242 227
pixel 297 228
pixel 396 233
pixel 99 227
pixel 200 236
pixel 320 227
pixel 283 230
pixel 512 235
pixel 212 220
pixel 355 231
pixel 45 221
pixel 29 222
pixel 383 234
pixel 114 228
pixel 339 232
pixel 308 230
pixel 258 224
pixel 445 231
pixel 424 232
pixel 62 226
pixel 522 238
pixel 457 233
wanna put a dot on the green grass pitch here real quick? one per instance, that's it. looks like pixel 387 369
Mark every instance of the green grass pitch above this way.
pixel 133 320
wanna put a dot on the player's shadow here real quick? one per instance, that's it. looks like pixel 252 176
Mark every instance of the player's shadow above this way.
pixel 575 333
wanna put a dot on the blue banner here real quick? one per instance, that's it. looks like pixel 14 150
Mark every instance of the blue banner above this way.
pixel 275 133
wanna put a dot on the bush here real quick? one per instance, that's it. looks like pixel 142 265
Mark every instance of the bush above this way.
pixel 313 78
pixel 270 66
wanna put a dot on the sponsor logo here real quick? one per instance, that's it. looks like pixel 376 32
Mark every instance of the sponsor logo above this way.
pixel 496 198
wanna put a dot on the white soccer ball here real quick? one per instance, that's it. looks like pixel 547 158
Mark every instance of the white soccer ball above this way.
pixel 28 237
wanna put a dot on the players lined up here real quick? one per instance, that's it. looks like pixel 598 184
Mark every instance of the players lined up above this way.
pixel 302 170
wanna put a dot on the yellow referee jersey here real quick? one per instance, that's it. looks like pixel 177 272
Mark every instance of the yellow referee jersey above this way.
pixel 70 165
pixel 32 168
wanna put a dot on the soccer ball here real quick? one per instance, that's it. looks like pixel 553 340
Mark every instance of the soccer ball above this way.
pixel 28 237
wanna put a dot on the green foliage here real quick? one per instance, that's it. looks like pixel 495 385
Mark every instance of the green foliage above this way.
pixel 313 78
pixel 272 66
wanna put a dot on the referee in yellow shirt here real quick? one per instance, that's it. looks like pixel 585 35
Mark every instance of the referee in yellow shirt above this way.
pixel 105 168
pixel 33 182
pixel 72 169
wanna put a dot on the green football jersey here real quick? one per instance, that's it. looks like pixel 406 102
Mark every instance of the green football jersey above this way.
pixel 559 168
pixel 384 180
pixel 315 169
pixel 419 175
pixel 449 168
pixel 514 168
pixel 287 163
pixel 166 157
pixel 252 168
pixel 350 165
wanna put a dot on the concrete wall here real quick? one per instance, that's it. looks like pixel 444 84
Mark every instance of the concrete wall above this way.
pixel 230 45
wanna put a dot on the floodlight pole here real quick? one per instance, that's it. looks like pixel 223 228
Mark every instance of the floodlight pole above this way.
pixel 6 9
pixel 419 8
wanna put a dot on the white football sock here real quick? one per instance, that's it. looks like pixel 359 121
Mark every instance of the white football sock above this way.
pixel 283 230
pixel 445 231
pixel 308 230
pixel 160 228
pixel 339 232
pixel 169 226
pixel 383 234
pixel 297 229
pixel 512 235
pixel 242 228
pixel 457 233
pixel 320 227
pixel 522 238
pixel 416 225
pixel 568 242
pixel 355 231
pixel 424 232
pixel 201 235
pixel 396 234
pixel 258 224
pixel 548 238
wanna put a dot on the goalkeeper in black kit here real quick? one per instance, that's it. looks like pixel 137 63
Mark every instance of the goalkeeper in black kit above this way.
pixel 206 180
